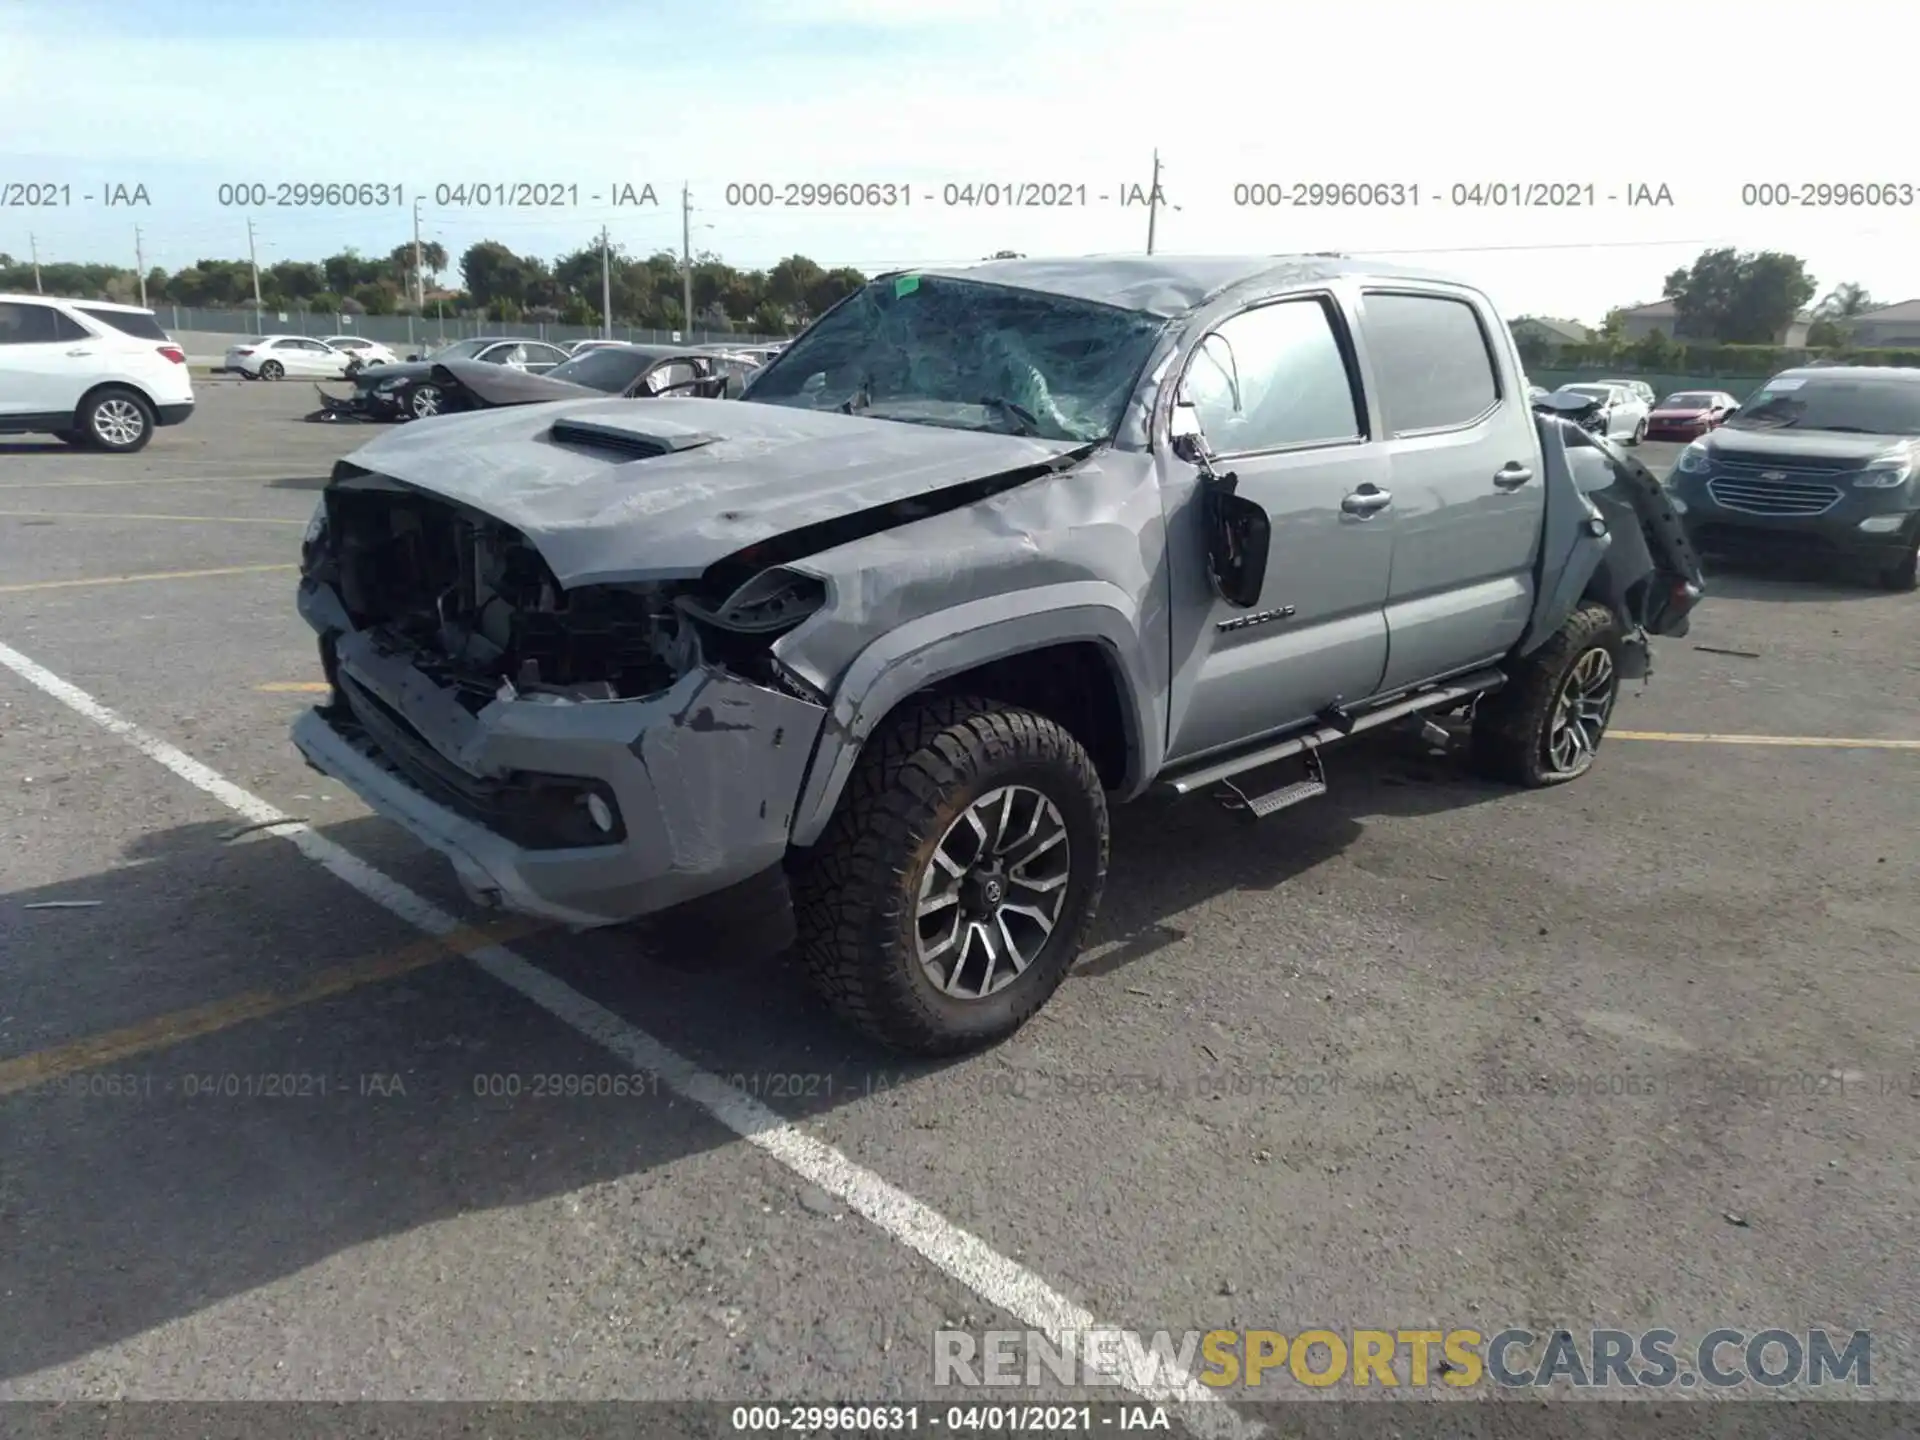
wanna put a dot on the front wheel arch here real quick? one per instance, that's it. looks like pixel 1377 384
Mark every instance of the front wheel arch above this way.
pixel 1120 731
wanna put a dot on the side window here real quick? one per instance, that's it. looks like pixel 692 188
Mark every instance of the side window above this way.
pixel 27 325
pixel 673 373
pixel 66 328
pixel 1431 359
pixel 1270 378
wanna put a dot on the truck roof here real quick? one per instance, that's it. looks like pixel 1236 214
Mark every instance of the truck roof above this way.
pixel 1170 285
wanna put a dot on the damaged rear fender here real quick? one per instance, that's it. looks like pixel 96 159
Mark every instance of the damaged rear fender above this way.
pixel 937 647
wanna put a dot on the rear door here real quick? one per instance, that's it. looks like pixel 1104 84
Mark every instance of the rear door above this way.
pixel 1275 391
pixel 1463 458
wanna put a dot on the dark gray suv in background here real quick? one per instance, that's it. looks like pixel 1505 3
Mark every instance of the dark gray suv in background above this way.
pixel 1820 461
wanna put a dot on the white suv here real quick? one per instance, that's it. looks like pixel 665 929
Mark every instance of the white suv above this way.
pixel 90 372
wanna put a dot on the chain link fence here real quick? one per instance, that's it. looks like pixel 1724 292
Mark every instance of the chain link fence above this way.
pixel 399 331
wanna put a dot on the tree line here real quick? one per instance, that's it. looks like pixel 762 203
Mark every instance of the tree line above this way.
pixel 492 282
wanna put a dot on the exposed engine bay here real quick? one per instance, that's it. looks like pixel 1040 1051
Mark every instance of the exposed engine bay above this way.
pixel 476 609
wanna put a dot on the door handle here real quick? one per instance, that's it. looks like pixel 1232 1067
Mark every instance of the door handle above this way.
pixel 1512 475
pixel 1366 500
pixel 79 352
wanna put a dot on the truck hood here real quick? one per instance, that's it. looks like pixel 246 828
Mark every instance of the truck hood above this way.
pixel 617 490
pixel 1839 450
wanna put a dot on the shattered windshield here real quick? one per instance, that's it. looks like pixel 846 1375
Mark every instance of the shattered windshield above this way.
pixel 1863 407
pixel 959 353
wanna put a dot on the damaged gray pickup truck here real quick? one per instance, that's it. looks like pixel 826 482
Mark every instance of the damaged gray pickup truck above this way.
pixel 867 652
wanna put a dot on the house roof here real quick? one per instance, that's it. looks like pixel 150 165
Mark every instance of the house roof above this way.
pixel 1567 329
pixel 1663 310
pixel 1904 310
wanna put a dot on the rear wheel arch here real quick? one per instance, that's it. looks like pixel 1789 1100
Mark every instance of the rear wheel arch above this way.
pixel 95 391
pixel 1083 667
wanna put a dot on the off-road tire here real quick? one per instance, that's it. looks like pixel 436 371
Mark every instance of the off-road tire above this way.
pixel 1903 574
pixel 1512 726
pixel 855 891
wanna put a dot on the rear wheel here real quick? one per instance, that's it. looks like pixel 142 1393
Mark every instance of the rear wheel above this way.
pixel 1545 725
pixel 1639 433
pixel 117 420
pixel 955 884
pixel 272 370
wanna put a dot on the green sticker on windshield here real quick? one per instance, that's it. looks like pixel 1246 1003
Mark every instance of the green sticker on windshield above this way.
pixel 906 285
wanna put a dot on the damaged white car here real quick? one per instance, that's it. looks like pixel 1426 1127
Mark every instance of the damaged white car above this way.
pixel 867 652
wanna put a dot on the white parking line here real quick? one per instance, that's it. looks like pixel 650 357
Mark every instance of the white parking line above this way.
pixel 955 1252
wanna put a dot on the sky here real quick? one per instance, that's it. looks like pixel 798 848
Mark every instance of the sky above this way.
pixel 597 98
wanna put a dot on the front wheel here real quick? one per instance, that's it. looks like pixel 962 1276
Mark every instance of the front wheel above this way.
pixel 1904 573
pixel 1639 433
pixel 1544 726
pixel 955 884
pixel 424 402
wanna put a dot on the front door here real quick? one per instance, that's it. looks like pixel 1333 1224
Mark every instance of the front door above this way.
pixel 46 360
pixel 1274 391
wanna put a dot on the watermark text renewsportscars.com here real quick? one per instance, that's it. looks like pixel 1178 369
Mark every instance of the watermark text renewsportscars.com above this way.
pixel 1402 1358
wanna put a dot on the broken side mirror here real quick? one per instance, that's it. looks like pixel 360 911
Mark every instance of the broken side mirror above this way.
pixel 1238 532
pixel 1239 535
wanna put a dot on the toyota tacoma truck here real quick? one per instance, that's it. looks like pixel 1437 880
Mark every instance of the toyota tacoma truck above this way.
pixel 867 653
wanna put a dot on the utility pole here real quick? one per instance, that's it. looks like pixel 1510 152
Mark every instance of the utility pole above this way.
pixel 686 260
pixel 1153 201
pixel 33 244
pixel 606 286
pixel 140 266
pixel 419 268
pixel 254 261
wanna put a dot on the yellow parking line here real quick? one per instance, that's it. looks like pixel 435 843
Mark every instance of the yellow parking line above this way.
pixel 295 687
pixel 97 515
pixel 22 589
pixel 113 1046
pixel 1813 742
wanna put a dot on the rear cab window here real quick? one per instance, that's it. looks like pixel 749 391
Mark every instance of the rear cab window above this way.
pixel 1433 361
pixel 136 323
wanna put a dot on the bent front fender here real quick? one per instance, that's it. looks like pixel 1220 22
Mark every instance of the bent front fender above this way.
pixel 949 642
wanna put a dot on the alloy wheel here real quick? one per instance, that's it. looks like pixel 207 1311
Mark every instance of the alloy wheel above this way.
pixel 1581 712
pixel 118 421
pixel 992 893
pixel 425 402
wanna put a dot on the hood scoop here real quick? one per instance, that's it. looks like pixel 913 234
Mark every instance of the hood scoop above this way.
pixel 624 440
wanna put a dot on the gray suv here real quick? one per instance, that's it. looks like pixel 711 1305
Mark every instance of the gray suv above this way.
pixel 868 652
pixel 1819 461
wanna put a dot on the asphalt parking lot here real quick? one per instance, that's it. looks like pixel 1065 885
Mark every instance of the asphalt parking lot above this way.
pixel 1635 1052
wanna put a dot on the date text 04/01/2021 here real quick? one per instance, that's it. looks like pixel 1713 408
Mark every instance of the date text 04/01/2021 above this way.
pixel 1016 1419
pixel 1474 195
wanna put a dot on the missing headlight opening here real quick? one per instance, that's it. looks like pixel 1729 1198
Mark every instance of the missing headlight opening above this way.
pixel 476 609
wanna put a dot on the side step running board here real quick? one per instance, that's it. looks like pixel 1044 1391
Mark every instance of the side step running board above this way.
pixel 1440 696
pixel 1261 806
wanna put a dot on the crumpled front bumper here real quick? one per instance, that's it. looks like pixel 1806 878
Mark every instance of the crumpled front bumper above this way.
pixel 705 776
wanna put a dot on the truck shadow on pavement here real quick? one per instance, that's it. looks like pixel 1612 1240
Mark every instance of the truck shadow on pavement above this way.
pixel 197 1161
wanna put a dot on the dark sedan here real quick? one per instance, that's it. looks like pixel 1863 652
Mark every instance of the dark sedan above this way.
pixel 1689 414
pixel 453 384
